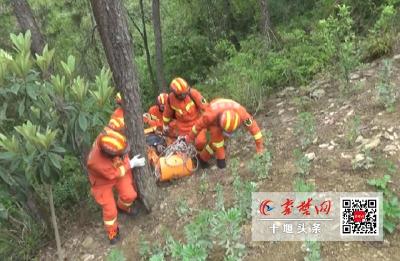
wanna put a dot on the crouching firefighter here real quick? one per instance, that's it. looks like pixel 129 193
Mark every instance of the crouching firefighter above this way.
pixel 109 167
pixel 222 118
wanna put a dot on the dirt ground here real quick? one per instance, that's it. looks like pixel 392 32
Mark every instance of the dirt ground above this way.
pixel 331 171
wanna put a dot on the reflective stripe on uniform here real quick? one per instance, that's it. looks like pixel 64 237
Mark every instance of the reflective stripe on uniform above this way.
pixel 154 117
pixel 124 203
pixel 228 121
pixel 218 144
pixel 257 136
pixel 115 122
pixel 189 105
pixel 166 119
pixel 122 170
pixel 236 121
pixel 110 222
pixel 194 129
pixel 177 109
pixel 209 150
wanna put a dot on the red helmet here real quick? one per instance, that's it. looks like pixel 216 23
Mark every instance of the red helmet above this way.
pixel 113 143
pixel 117 124
pixel 162 99
pixel 229 121
pixel 179 87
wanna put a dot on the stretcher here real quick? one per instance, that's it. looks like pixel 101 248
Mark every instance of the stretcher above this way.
pixel 169 159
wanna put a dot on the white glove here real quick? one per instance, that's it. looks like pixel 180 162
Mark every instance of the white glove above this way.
pixel 137 161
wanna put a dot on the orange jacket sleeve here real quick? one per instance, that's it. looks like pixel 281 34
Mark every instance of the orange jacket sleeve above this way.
pixel 198 99
pixel 153 118
pixel 253 128
pixel 168 112
pixel 203 122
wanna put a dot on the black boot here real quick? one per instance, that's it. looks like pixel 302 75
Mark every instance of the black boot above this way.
pixel 203 164
pixel 221 163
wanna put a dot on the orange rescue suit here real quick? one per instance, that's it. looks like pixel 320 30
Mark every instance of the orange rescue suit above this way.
pixel 106 173
pixel 185 111
pixel 154 117
pixel 210 121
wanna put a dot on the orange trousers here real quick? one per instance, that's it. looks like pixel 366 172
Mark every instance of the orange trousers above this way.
pixel 104 196
pixel 215 147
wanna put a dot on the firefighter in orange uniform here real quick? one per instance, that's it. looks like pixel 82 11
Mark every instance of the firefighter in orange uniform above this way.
pixel 185 105
pixel 109 167
pixel 222 118
pixel 154 117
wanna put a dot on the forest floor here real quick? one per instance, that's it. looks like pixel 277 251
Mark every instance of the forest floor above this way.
pixel 331 170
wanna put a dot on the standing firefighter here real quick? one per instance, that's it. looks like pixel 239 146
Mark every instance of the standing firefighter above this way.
pixel 221 119
pixel 154 117
pixel 185 105
pixel 109 167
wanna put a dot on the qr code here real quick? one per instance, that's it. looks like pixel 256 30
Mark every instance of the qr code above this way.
pixel 359 216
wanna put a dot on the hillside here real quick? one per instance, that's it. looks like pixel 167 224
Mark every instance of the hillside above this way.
pixel 333 155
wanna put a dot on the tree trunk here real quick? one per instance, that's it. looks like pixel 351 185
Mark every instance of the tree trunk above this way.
pixel 265 23
pixel 146 45
pixel 26 21
pixel 113 28
pixel 55 226
pixel 162 84
pixel 229 20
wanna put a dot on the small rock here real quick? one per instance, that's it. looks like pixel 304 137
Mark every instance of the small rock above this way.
pixel 395 136
pixel 369 73
pixel 280 104
pixel 281 111
pixel 372 144
pixel 396 57
pixel 87 257
pixel 375 128
pixel 380 114
pixel 333 143
pixel 87 242
pixel 386 243
pixel 350 113
pixel 214 167
pixel 331 106
pixel 323 146
pixel 390 148
pixel 354 76
pixel 359 157
pixel 344 156
pixel 310 156
pixel 315 140
pixel 359 139
pixel 331 147
pixel 388 136
pixel 318 94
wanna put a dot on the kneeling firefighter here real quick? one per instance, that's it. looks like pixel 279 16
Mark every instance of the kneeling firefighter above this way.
pixel 109 167
pixel 154 116
pixel 222 118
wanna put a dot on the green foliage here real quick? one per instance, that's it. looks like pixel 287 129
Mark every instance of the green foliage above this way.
pixel 220 200
pixel 204 186
pixel 182 208
pixel 302 163
pixel 226 228
pixel 25 238
pixel 386 91
pixel 313 251
pixel 305 129
pixel 198 231
pixel 41 121
pixel 261 164
pixel 363 161
pixel 338 36
pixel 302 186
pixel 391 207
pixel 353 130
pixel 116 255
pixel 243 193
pixel 382 35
